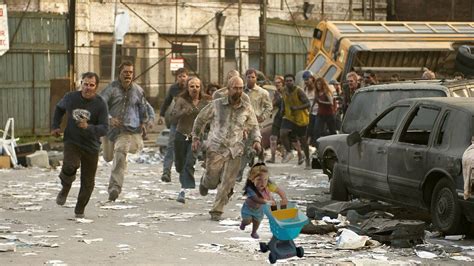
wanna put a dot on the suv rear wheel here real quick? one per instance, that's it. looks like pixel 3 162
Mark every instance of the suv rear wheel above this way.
pixel 337 188
pixel 445 210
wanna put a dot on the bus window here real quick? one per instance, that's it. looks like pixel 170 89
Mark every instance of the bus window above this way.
pixel 398 28
pixel 347 28
pixel 318 63
pixel 420 28
pixel 443 28
pixel 330 73
pixel 328 42
pixel 373 28
pixel 465 28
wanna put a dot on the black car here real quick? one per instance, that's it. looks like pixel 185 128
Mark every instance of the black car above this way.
pixel 410 155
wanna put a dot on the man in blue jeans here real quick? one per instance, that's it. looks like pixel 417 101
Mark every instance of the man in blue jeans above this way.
pixel 174 90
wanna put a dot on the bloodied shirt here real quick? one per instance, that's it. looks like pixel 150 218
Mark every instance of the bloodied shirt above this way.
pixel 227 126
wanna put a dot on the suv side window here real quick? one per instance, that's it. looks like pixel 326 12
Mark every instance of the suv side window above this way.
pixel 442 138
pixel 385 126
pixel 419 126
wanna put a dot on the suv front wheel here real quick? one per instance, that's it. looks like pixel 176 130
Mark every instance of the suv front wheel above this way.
pixel 445 209
pixel 337 188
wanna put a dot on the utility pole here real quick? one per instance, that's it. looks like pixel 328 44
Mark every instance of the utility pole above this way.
pixel 239 14
pixel 72 38
pixel 263 35
pixel 114 46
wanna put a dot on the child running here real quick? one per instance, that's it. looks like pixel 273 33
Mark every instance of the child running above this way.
pixel 258 189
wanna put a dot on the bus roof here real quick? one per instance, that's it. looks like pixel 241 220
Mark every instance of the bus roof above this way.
pixel 402 27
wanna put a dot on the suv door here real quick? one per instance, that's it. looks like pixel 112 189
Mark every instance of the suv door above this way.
pixel 368 159
pixel 408 155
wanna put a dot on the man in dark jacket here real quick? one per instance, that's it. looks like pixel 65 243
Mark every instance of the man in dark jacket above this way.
pixel 87 121
pixel 174 90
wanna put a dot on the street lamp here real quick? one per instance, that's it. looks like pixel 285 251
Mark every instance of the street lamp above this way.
pixel 220 20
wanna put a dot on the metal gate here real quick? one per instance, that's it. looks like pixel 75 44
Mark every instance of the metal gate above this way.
pixel 38 53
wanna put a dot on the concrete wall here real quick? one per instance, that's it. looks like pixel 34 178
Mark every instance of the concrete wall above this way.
pixel 433 10
pixel 156 22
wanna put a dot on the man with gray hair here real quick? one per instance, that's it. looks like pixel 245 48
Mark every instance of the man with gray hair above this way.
pixel 229 117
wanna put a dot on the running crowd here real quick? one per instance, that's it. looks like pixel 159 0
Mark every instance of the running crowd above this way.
pixel 221 123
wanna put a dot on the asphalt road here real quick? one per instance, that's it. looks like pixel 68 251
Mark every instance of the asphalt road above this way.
pixel 147 226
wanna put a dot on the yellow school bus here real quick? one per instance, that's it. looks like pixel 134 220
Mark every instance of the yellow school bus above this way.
pixel 389 47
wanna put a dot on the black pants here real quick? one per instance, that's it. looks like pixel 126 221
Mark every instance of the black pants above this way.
pixel 75 157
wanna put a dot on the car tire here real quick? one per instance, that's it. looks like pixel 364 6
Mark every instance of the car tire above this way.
pixel 326 161
pixel 465 57
pixel 337 188
pixel 468 71
pixel 445 209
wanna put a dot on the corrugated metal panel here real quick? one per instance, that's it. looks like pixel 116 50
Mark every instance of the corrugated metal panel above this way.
pixel 286 50
pixel 38 53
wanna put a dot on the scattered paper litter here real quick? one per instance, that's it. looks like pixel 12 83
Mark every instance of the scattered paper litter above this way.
pixel 222 231
pixel 328 220
pixel 128 224
pixel 173 234
pixel 5 247
pixel 211 248
pixel 55 263
pixel 425 254
pixel 118 207
pixel 229 222
pixel 89 241
pixel 33 208
pixel 30 254
pixel 84 220
pixel 461 258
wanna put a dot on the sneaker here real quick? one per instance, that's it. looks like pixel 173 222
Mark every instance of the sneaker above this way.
pixel 288 156
pixel 113 195
pixel 270 160
pixel 62 196
pixel 230 193
pixel 216 217
pixel 181 197
pixel 308 165
pixel 301 159
pixel 165 177
pixel 203 190
pixel 255 235
pixel 79 215
pixel 242 226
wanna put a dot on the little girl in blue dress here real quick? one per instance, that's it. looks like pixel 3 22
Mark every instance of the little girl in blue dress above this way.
pixel 258 190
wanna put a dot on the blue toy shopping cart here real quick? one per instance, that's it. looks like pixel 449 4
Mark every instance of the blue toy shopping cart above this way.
pixel 286 225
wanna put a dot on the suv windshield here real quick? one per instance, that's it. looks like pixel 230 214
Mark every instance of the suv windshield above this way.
pixel 367 105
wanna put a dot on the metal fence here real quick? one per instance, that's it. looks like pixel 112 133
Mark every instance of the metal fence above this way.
pixel 38 53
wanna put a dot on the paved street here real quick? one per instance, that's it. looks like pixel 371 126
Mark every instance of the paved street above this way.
pixel 147 226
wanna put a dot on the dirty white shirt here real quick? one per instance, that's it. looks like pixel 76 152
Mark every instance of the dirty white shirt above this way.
pixel 467 170
pixel 228 124
pixel 260 100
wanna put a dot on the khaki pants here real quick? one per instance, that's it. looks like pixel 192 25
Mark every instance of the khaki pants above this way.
pixel 221 173
pixel 117 151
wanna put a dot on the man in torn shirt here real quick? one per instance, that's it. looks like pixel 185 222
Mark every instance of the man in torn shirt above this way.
pixel 229 118
pixel 128 118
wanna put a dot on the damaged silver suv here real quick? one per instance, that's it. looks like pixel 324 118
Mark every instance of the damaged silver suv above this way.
pixel 410 155
pixel 367 103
